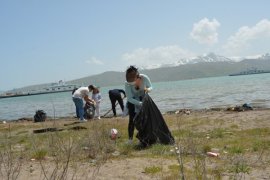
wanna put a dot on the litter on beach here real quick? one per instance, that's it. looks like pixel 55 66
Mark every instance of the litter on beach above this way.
pixel 212 154
pixel 114 133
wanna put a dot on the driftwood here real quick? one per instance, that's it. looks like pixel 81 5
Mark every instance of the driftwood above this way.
pixel 77 128
pixel 46 130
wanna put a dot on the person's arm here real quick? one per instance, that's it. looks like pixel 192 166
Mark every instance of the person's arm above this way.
pixel 147 84
pixel 99 97
pixel 87 99
pixel 129 95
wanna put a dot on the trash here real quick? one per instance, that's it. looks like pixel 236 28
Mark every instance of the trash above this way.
pixel 151 125
pixel 244 107
pixel 116 153
pixel 247 106
pixel 212 154
pixel 187 112
pixel 89 110
pixel 183 111
pixel 114 133
pixel 40 116
pixel 4 122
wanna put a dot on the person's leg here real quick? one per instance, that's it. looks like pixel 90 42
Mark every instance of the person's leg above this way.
pixel 121 103
pixel 98 109
pixel 113 100
pixel 131 110
pixel 79 107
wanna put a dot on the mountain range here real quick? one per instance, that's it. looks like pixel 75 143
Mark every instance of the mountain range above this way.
pixel 209 65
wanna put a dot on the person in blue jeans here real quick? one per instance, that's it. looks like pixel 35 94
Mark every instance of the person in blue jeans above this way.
pixel 136 86
pixel 78 96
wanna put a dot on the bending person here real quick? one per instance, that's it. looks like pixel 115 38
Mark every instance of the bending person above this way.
pixel 136 86
pixel 78 96
pixel 115 95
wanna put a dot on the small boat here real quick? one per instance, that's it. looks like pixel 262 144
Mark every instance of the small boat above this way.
pixel 250 71
pixel 61 86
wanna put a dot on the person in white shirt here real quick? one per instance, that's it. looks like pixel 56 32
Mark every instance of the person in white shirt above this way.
pixel 78 96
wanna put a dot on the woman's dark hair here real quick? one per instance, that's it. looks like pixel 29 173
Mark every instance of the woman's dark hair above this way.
pixel 92 87
pixel 131 73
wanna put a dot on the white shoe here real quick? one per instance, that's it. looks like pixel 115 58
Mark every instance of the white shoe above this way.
pixel 98 117
pixel 84 120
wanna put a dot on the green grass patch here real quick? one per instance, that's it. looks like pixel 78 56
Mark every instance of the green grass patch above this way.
pixel 240 167
pixel 152 169
pixel 160 150
pixel 234 126
pixel 217 133
pixel 40 154
pixel 236 150
pixel 261 145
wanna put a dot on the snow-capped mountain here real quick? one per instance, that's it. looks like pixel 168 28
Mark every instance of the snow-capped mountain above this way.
pixel 265 56
pixel 211 57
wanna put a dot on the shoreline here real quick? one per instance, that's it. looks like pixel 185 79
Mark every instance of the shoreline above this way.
pixel 186 111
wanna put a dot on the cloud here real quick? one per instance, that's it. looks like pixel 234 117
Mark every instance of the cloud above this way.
pixel 246 36
pixel 94 60
pixel 153 58
pixel 205 31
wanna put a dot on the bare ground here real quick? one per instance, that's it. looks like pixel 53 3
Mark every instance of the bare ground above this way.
pixel 125 167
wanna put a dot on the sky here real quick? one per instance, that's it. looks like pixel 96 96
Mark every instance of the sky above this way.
pixel 51 40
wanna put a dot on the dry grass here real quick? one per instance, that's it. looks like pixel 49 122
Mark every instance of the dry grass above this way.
pixel 85 150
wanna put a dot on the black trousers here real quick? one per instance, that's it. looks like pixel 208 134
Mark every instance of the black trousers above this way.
pixel 131 126
pixel 115 98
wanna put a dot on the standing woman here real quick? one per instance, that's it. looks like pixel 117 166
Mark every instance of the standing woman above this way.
pixel 136 86
pixel 96 96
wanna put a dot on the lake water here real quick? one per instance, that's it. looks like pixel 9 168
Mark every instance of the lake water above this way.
pixel 195 94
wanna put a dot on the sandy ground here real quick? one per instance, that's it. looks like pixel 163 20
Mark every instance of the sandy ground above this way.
pixel 133 168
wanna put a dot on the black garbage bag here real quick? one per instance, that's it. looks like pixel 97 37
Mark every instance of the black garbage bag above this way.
pixel 40 116
pixel 89 110
pixel 151 125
